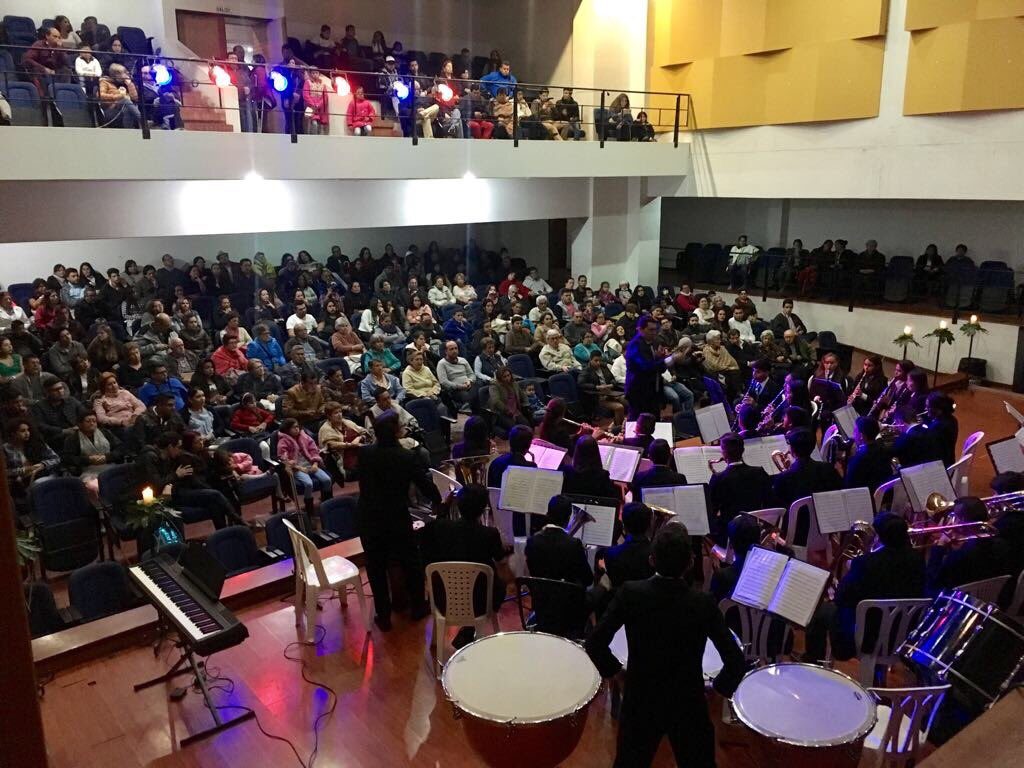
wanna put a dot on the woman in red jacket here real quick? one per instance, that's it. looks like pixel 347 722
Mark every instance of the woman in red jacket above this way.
pixel 229 360
pixel 249 419
pixel 360 114
pixel 314 96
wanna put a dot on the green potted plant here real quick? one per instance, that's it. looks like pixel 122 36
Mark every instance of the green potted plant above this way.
pixel 974 368
pixel 151 518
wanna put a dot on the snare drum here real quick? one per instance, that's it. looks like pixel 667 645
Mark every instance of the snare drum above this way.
pixel 803 716
pixel 522 697
pixel 970 644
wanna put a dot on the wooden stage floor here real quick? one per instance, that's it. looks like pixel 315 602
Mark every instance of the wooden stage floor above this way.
pixel 391 712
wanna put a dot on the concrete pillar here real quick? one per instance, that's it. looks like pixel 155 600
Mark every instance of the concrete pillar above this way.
pixel 619 240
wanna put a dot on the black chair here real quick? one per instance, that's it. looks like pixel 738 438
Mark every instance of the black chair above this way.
pixel 19 31
pixel 26 106
pixel 70 107
pixel 433 434
pixel 995 287
pixel 234 548
pixel 434 62
pixel 44 617
pixel 329 364
pixel 338 515
pixel 99 589
pixel 113 482
pixel 557 607
pixel 899 278
pixel 277 532
pixel 827 341
pixel 66 523
pixel 563 385
pixel 255 487
pixel 135 40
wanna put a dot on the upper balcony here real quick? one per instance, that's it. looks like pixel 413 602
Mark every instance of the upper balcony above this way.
pixel 201 120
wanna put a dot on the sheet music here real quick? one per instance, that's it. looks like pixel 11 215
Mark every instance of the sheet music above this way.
pixel 1006 454
pixel 713 422
pixel 620 461
pixel 599 533
pixel 662 431
pixel 693 462
pixel 771 444
pixel 689 502
pixel 756 453
pixel 1015 413
pixel 547 458
pixel 799 592
pixel 846 418
pixel 830 508
pixel 761 573
pixel 528 490
pixel 925 479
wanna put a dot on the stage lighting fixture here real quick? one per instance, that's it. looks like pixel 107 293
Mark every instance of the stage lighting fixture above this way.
pixel 161 75
pixel 279 81
pixel 401 90
pixel 341 86
pixel 220 77
pixel 445 91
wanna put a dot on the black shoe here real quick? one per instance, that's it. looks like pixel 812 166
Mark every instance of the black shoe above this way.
pixel 464 636
pixel 383 623
pixel 419 612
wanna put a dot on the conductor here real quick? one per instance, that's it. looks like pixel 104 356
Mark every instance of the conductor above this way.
pixel 667 625
pixel 385 527
pixel 644 366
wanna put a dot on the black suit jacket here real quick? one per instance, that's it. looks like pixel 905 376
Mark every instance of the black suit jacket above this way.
pixel 887 574
pixel 554 554
pixel 497 467
pixel 972 561
pixel 592 482
pixel 738 488
pixel 803 479
pixel 869 466
pixel 780 325
pixel 385 473
pixel 667 625
pixel 629 561
pixel 656 477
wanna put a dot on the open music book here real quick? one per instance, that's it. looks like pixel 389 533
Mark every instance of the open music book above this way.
pixel 1008 454
pixel 547 457
pixel 689 502
pixel 781 585
pixel 923 480
pixel 598 531
pixel 621 461
pixel 693 462
pixel 837 511
pixel 662 431
pixel 713 422
pixel 528 490
pixel 846 418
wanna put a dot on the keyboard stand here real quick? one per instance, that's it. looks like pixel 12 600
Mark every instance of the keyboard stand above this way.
pixel 198 671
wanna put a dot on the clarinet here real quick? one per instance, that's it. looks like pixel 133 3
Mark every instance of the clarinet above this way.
pixel 749 393
pixel 880 401
pixel 856 390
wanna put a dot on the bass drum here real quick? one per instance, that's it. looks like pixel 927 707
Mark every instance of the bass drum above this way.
pixel 803 716
pixel 522 697
pixel 970 644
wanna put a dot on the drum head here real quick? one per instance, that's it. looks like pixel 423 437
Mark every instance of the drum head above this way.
pixel 712 662
pixel 529 677
pixel 804 705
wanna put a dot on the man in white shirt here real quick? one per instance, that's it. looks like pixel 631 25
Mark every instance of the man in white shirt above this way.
pixel 741 259
pixel 556 355
pixel 537 312
pixel 301 317
pixel 535 284
pixel 9 312
pixel 739 322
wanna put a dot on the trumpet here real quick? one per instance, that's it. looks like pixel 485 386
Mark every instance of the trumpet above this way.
pixel 783 460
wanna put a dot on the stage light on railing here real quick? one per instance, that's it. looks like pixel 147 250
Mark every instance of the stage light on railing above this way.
pixel 401 90
pixel 341 86
pixel 279 81
pixel 220 77
pixel 161 75
pixel 445 92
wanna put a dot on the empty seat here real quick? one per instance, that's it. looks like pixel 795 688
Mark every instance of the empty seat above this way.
pixel 70 104
pixel 135 40
pixel 995 287
pixel 26 106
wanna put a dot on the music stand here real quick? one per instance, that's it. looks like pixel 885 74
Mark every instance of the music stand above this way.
pixel 830 393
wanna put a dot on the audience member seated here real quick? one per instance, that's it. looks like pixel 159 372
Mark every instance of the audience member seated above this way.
pixel 56 415
pixel 507 401
pixel 300 455
pixel 304 402
pixel 457 378
pixel 27 458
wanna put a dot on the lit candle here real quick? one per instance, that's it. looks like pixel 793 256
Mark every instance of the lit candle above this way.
pixel 907 330
pixel 147 496
pixel 942 325
pixel 974 319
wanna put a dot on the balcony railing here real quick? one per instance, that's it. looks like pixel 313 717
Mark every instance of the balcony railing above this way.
pixel 198 94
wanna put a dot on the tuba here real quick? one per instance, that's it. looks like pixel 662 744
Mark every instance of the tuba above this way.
pixel 662 516
pixel 858 541
pixel 580 517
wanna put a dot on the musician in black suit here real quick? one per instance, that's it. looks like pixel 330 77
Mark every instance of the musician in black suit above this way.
pixel 644 435
pixel 661 475
pixel 468 540
pixel 631 560
pixel 744 533
pixel 554 554
pixel 519 439
pixel 737 488
pixel 386 470
pixel 896 571
pixel 932 440
pixel 644 366
pixel 667 626
pixel 871 462
pixel 804 477
pixel 762 389
pixel 869 385
pixel 829 386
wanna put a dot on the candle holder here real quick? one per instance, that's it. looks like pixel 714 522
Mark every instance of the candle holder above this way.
pixel 944 336
pixel 905 339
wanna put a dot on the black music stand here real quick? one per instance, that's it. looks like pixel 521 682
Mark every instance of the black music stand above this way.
pixel 206 573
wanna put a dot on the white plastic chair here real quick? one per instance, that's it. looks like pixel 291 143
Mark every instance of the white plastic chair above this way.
pixel 986 590
pixel 816 540
pixel 457 581
pixel 1017 603
pixel 770 515
pixel 755 631
pixel 897 617
pixel 902 725
pixel 971 441
pixel 313 575
pixel 900 504
pixel 959 475
pixel 502 519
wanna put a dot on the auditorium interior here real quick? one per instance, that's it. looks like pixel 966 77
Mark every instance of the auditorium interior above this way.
pixel 532 383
